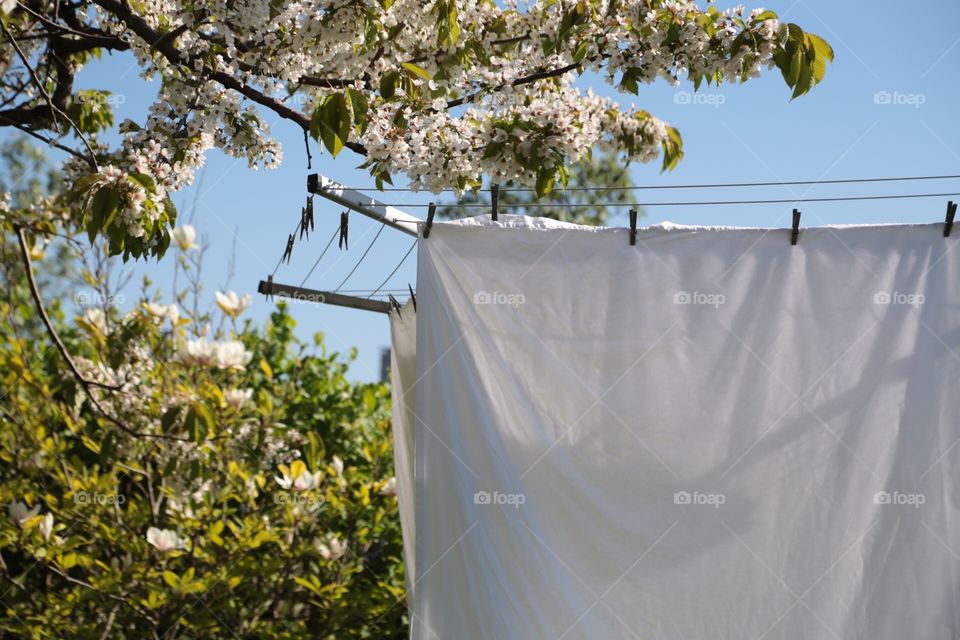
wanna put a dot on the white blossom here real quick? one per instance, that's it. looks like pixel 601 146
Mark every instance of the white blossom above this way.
pixel 232 355
pixel 165 539
pixel 198 352
pixel 163 311
pixel 232 304
pixel 390 487
pixel 19 512
pixel 46 526
pixel 236 398
pixel 332 549
pixel 185 236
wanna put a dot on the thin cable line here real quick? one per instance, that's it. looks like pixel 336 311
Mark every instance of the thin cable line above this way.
pixel 546 205
pixel 322 253
pixel 395 269
pixel 280 262
pixel 719 185
pixel 383 226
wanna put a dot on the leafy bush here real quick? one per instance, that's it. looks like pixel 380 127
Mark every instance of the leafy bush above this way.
pixel 191 483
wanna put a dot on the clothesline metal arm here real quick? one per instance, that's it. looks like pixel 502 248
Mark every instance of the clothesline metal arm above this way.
pixel 268 287
pixel 363 204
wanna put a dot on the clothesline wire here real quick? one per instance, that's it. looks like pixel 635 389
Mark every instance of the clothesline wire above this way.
pixel 718 185
pixel 548 205
pixel 395 269
pixel 383 225
pixel 280 261
pixel 322 253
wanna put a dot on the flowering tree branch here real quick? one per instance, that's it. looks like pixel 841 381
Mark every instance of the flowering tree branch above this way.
pixel 444 92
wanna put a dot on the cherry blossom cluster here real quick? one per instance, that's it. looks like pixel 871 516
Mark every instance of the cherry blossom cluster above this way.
pixel 444 92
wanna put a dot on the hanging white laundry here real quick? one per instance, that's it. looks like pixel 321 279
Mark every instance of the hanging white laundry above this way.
pixel 710 435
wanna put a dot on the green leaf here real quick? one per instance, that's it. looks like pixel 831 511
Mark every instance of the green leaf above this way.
pixel 358 107
pixel 105 203
pixel 546 178
pixel 414 70
pixel 334 123
pixel 171 579
pixel 388 84
pixel 581 52
pixel 145 181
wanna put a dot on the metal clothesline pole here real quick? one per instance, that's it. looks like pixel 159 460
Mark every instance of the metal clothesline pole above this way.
pixel 268 287
pixel 363 204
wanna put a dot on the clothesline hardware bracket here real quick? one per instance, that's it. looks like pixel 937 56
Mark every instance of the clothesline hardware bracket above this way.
pixel 494 200
pixel 795 233
pixel 633 227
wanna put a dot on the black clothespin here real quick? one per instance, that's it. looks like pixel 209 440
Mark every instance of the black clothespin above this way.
pixel 413 297
pixel 951 214
pixel 269 292
pixel 288 252
pixel 494 200
pixel 306 218
pixel 633 227
pixel 394 303
pixel 426 229
pixel 313 182
pixel 795 234
pixel 344 230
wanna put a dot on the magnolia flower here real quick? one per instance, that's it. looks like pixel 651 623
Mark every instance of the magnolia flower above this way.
pixel 232 355
pixel 337 465
pixel 95 317
pixel 236 398
pixel 333 549
pixel 162 311
pixel 19 513
pixel 198 352
pixel 38 250
pixel 390 488
pixel 46 526
pixel 185 236
pixel 164 539
pixel 232 304
pixel 298 477
pixel 7 6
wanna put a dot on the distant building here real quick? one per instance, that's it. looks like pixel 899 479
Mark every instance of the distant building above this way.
pixel 385 364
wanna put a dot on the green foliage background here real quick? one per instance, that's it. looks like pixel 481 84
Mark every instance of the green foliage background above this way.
pixel 170 450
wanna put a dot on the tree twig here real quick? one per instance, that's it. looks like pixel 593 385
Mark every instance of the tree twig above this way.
pixel 86 385
pixel 54 109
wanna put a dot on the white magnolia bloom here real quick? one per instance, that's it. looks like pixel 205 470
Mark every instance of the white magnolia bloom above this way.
pixel 236 398
pixel 95 317
pixel 298 477
pixel 337 465
pixel 333 549
pixel 232 304
pixel 165 539
pixel 390 488
pixel 232 355
pixel 163 311
pixel 46 526
pixel 198 352
pixel 19 513
pixel 185 236
pixel 7 6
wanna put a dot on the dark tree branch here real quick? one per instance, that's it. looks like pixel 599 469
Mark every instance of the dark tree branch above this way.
pixel 166 47
pixel 85 384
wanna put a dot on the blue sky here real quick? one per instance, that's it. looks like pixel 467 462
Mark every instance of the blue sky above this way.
pixel 886 108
